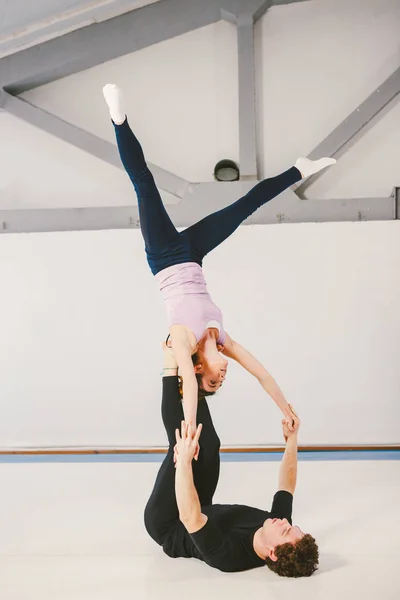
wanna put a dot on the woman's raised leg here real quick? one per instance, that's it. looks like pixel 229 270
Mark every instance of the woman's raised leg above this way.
pixel 211 231
pixel 157 228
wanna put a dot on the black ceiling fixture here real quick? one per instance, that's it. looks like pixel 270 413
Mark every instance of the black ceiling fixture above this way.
pixel 226 170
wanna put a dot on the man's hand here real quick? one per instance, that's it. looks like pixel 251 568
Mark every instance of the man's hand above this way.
pixel 295 424
pixel 187 445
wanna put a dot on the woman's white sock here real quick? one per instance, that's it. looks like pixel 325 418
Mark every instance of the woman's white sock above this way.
pixel 309 167
pixel 113 97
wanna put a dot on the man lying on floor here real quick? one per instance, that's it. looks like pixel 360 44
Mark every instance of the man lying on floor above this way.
pixel 181 517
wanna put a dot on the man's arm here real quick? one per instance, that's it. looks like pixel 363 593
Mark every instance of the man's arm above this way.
pixel 187 498
pixel 219 549
pixel 288 469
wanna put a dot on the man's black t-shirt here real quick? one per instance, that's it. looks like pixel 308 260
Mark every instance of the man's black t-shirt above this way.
pixel 226 540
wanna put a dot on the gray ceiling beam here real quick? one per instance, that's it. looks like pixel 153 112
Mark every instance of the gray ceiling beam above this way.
pixel 85 141
pixel 283 2
pixel 43 26
pixel 338 141
pixel 232 9
pixel 396 194
pixel 287 209
pixel 100 42
pixel 247 98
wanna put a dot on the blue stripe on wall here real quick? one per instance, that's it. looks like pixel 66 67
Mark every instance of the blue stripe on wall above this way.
pixel 225 457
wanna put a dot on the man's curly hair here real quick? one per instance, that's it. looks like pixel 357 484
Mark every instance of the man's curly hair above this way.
pixel 296 560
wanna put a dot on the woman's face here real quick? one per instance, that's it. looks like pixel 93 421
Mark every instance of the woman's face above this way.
pixel 213 372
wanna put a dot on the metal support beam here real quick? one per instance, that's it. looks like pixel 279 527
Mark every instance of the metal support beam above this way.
pixel 288 208
pixel 43 26
pixel 283 2
pixel 100 42
pixel 85 141
pixel 244 20
pixel 247 100
pixel 337 142
pixel 396 195
pixel 232 9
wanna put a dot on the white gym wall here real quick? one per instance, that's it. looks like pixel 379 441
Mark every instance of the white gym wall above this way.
pixel 318 304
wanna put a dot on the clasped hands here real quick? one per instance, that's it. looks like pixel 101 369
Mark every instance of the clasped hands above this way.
pixel 187 445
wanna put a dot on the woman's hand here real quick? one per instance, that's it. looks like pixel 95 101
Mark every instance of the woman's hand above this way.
pixel 295 424
pixel 289 415
pixel 187 443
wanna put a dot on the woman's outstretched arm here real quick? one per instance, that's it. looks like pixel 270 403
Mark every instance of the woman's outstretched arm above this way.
pixel 234 350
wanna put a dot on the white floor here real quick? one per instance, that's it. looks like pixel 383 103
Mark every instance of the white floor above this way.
pixel 74 531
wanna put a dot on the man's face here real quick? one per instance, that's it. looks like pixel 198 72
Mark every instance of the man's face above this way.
pixel 280 531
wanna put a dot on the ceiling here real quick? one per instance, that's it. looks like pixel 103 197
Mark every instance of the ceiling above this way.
pixel 24 24
pixel 85 34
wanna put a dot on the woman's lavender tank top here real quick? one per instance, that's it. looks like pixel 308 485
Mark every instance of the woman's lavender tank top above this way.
pixel 187 300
